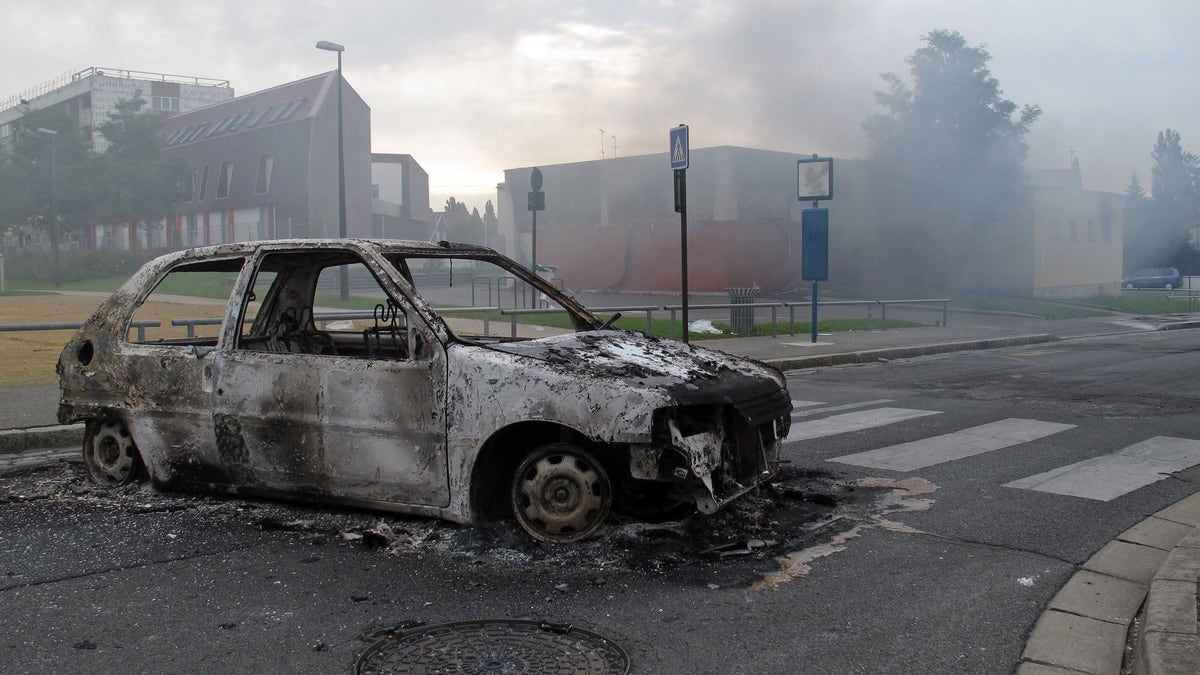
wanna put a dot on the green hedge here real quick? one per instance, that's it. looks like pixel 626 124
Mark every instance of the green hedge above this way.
pixel 73 265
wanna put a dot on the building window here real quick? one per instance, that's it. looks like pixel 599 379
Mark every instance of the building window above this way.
pixel 258 116
pixel 1074 230
pixel 291 109
pixel 224 179
pixel 193 231
pixel 169 103
pixel 265 164
pixel 202 191
pixel 375 191
pixel 275 116
pixel 1091 230
pixel 196 131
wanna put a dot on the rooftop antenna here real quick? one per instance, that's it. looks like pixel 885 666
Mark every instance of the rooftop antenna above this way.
pixel 614 140
pixel 601 144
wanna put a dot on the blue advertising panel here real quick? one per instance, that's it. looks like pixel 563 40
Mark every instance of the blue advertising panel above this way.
pixel 814 228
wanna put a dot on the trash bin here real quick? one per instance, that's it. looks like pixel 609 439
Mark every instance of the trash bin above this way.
pixel 741 319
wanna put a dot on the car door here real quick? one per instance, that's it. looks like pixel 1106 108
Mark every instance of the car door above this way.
pixel 166 368
pixel 315 398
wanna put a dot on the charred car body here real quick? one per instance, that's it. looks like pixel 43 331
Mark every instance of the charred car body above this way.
pixel 326 373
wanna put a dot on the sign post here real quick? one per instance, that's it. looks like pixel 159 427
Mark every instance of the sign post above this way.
pixel 537 202
pixel 814 183
pixel 679 164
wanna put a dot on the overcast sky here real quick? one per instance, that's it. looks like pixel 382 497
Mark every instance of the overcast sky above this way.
pixel 472 87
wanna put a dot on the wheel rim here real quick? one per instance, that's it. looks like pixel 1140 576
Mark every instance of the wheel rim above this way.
pixel 110 455
pixel 561 494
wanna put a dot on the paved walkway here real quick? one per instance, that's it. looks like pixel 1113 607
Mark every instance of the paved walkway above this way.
pixel 1152 568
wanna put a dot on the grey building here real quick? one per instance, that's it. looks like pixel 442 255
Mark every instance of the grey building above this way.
pixel 90 95
pixel 264 165
pixel 400 198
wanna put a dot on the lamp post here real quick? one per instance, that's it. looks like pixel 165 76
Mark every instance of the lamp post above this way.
pixel 53 203
pixel 344 290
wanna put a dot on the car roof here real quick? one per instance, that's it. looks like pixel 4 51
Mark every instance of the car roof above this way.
pixel 392 246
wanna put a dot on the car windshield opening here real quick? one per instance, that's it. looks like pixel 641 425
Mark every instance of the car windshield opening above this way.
pixel 480 300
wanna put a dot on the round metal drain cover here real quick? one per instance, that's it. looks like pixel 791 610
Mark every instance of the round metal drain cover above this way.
pixel 494 646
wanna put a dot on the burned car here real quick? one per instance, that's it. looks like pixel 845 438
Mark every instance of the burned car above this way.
pixel 434 379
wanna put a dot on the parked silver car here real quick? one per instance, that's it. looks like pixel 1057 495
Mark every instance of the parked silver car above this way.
pixel 1153 277
pixel 321 369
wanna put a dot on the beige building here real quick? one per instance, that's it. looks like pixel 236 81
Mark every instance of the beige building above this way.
pixel 610 224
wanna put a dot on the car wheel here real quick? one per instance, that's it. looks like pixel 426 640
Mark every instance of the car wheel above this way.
pixel 561 494
pixel 109 454
pixel 1128 285
pixel 1169 287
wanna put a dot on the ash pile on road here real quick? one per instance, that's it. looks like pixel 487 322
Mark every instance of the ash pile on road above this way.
pixel 800 509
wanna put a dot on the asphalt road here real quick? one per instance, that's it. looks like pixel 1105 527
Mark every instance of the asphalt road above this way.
pixel 847 567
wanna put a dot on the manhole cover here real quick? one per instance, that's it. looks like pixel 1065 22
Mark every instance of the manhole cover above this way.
pixel 494 646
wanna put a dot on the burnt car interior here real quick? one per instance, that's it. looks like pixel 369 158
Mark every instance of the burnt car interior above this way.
pixel 293 287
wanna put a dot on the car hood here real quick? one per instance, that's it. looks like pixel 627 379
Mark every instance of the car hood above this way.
pixel 634 357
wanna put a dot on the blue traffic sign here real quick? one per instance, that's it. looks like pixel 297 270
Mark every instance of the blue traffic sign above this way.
pixel 679 147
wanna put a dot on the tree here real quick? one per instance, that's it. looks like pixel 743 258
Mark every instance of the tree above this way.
pixel 1157 228
pixel 48 169
pixel 137 185
pixel 947 155
pixel 463 226
pixel 491 225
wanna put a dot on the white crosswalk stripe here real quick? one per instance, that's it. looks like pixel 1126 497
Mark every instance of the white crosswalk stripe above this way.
pixel 958 445
pixel 832 408
pixel 853 421
pixel 1107 477
pixel 1103 478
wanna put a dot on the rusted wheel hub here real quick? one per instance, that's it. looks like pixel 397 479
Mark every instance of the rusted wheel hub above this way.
pixel 109 454
pixel 560 493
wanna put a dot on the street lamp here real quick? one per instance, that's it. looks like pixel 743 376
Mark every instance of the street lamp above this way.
pixel 53 203
pixel 344 291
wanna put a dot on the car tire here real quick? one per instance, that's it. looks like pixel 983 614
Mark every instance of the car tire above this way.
pixel 110 455
pixel 1128 286
pixel 561 494
pixel 1169 287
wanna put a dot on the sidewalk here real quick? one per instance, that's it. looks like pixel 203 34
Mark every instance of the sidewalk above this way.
pixel 1152 567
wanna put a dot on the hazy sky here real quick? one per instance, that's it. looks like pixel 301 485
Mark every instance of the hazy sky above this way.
pixel 472 87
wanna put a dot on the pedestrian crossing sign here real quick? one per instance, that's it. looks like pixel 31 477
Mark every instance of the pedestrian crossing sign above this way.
pixel 679 147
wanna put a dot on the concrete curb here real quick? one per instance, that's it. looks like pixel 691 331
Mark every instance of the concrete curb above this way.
pixel 874 355
pixel 1153 566
pixel 16 441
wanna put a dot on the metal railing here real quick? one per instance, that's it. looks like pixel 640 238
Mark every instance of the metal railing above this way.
pixel 793 305
pixel 773 306
pixel 647 309
pixel 514 313
pixel 1191 296
pixel 323 318
pixel 884 304
pixel 141 327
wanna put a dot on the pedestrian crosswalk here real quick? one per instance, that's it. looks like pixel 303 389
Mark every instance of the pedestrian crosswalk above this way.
pixel 1101 478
